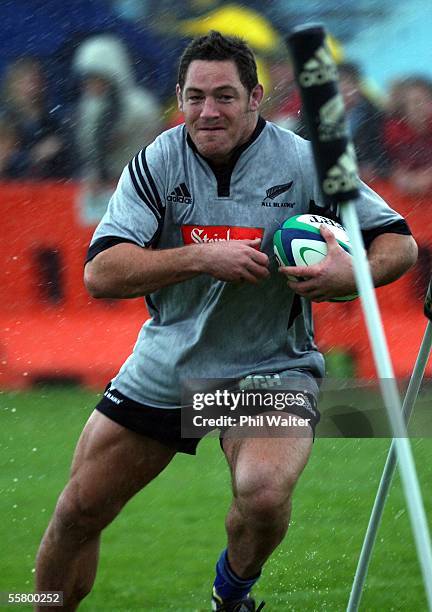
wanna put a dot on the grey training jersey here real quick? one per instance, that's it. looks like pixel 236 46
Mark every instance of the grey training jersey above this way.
pixel 169 196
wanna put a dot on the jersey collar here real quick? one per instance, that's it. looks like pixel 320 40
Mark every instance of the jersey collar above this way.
pixel 223 173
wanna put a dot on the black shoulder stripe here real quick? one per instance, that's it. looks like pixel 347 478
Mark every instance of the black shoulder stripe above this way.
pixel 396 227
pixel 156 196
pixel 104 243
pixel 139 185
pixel 143 182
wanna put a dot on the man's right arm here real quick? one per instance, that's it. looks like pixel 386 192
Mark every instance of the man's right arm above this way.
pixel 128 270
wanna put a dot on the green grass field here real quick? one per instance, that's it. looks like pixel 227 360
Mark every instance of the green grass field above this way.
pixel 160 553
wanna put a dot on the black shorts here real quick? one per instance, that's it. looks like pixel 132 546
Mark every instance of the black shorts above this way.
pixel 165 424
pixel 161 424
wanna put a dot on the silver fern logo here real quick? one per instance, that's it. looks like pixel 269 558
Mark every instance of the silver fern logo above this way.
pixel 273 192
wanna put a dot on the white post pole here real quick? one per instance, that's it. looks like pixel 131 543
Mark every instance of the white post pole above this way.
pixel 387 475
pixel 391 397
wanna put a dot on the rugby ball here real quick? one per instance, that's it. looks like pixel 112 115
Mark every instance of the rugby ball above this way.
pixel 298 242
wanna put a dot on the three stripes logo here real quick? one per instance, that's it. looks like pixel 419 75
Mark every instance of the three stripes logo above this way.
pixel 332 120
pixel 180 194
pixel 145 186
pixel 343 176
pixel 319 69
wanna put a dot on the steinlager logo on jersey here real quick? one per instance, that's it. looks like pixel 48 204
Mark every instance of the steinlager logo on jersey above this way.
pixel 201 234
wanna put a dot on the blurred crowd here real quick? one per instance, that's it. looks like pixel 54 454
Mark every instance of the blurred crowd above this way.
pixel 112 99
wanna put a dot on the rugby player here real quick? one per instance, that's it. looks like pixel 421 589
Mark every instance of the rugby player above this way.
pixel 190 228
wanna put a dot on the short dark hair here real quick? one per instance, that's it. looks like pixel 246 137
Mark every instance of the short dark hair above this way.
pixel 215 47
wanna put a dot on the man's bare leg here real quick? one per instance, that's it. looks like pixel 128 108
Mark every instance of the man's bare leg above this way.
pixel 264 474
pixel 110 465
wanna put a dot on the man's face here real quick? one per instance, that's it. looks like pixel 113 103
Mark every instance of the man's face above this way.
pixel 219 112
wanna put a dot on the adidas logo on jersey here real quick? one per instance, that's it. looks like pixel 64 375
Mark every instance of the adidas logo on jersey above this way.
pixel 342 177
pixel 318 70
pixel 180 194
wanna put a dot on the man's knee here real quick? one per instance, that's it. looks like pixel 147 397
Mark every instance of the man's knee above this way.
pixel 263 488
pixel 264 500
pixel 81 517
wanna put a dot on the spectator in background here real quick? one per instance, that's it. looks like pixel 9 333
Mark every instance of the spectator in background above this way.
pixel 283 104
pixel 365 119
pixel 39 135
pixel 13 161
pixel 114 118
pixel 408 136
pixel 395 98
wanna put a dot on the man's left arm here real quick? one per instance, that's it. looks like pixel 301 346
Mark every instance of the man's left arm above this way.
pixel 390 255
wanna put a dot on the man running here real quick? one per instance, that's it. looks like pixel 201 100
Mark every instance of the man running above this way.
pixel 190 228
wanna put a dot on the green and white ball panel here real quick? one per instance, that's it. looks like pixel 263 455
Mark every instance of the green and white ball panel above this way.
pixel 312 223
pixel 298 242
pixel 308 252
pixel 279 251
